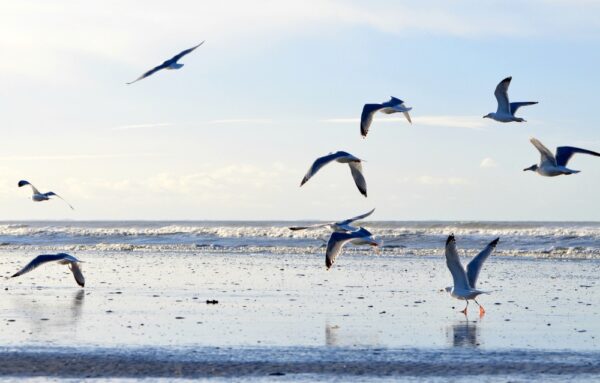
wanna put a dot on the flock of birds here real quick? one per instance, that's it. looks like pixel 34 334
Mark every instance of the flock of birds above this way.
pixel 343 232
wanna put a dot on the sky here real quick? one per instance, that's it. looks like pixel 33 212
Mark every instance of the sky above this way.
pixel 278 84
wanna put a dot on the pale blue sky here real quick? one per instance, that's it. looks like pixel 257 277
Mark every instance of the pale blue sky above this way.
pixel 279 83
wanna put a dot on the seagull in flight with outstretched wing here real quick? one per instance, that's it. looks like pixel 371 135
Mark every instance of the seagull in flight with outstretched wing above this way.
pixel 62 258
pixel 38 196
pixel 344 158
pixel 394 105
pixel 555 165
pixel 465 281
pixel 169 64
pixel 340 226
pixel 506 109
pixel 337 241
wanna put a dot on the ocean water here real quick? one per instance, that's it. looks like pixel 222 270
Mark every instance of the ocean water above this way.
pixel 560 240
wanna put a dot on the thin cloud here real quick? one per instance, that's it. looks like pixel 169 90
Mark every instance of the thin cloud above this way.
pixel 466 122
pixel 488 163
pixel 242 121
pixel 67 157
pixel 143 126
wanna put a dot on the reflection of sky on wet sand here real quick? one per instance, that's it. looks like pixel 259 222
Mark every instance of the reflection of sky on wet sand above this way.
pixel 463 333
pixel 144 298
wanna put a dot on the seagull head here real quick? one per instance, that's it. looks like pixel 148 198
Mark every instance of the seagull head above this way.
pixel 533 168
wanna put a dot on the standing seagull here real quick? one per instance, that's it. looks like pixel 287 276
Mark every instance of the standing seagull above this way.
pixel 464 282
pixel 38 197
pixel 341 226
pixel 337 241
pixel 344 158
pixel 395 105
pixel 551 165
pixel 169 64
pixel 506 110
pixel 62 258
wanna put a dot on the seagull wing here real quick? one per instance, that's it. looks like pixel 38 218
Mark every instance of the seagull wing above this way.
pixel 76 270
pixel 309 227
pixel 407 116
pixel 546 154
pixel 334 246
pixel 367 117
pixel 501 94
pixel 40 260
pixel 474 267
pixel 353 219
pixel 564 154
pixel 33 188
pixel 453 262
pixel 319 163
pixel 183 53
pixel 514 106
pixel 150 72
pixel 50 194
pixel 359 179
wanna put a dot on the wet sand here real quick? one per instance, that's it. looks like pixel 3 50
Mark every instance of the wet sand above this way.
pixel 145 315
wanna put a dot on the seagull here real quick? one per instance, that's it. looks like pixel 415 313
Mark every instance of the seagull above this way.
pixel 38 197
pixel 337 241
pixel 344 158
pixel 506 110
pixel 62 258
pixel 464 281
pixel 169 64
pixel 339 227
pixel 395 105
pixel 555 165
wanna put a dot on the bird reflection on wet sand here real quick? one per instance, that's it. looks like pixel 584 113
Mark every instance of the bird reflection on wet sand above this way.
pixel 463 334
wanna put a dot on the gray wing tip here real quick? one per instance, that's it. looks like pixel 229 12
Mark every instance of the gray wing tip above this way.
pixel 450 239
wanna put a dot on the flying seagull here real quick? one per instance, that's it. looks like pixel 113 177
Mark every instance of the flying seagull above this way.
pixel 337 241
pixel 169 64
pixel 340 227
pixel 62 258
pixel 395 105
pixel 506 110
pixel 38 197
pixel 465 281
pixel 555 165
pixel 344 158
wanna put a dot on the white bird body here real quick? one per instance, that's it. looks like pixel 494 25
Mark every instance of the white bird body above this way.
pixel 337 241
pixel 37 196
pixel 555 165
pixel 464 286
pixel 506 109
pixel 353 162
pixel 394 105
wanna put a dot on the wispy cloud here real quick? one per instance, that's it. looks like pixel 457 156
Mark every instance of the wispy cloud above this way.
pixel 66 157
pixel 488 163
pixel 143 126
pixel 242 121
pixel 442 121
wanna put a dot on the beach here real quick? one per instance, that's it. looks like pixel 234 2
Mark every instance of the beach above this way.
pixel 144 310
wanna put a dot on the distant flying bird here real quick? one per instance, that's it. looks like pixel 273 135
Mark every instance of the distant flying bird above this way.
pixel 344 158
pixel 551 165
pixel 341 226
pixel 62 258
pixel 337 241
pixel 38 197
pixel 506 110
pixel 169 64
pixel 465 281
pixel 395 105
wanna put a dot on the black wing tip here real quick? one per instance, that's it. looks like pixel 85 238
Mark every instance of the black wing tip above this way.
pixel 450 239
pixel 303 181
pixel 23 183
pixel 15 275
pixel 507 79
pixel 495 242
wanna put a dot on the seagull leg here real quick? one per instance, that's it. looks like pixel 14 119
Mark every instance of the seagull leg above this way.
pixel 464 311
pixel 481 309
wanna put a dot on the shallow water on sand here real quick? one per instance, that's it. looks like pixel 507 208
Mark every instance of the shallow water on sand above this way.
pixel 368 317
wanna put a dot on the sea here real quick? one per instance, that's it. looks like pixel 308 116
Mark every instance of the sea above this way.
pixel 566 240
